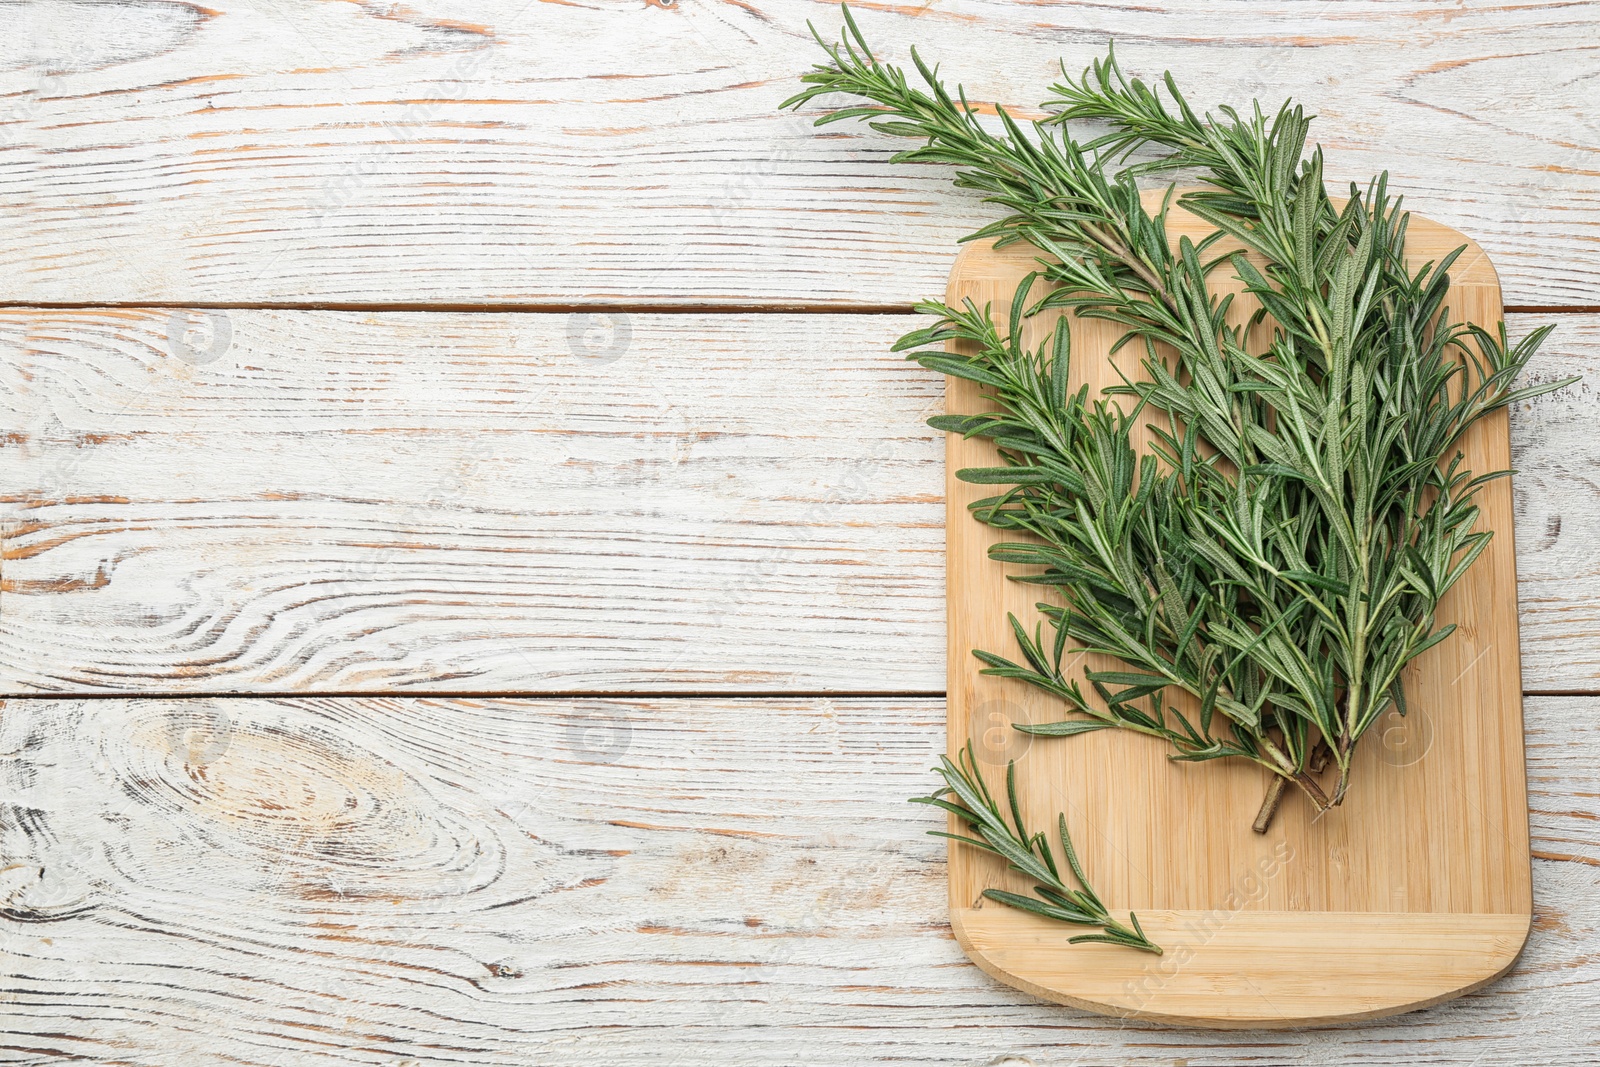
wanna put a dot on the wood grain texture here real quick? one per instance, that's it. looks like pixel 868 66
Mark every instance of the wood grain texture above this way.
pixel 287 150
pixel 259 501
pixel 346 501
pixel 1397 916
pixel 323 501
pixel 1557 487
pixel 416 881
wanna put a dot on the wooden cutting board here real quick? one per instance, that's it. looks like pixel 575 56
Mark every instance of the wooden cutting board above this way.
pixel 1416 890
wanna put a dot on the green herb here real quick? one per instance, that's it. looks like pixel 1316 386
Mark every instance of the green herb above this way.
pixel 1028 853
pixel 1280 551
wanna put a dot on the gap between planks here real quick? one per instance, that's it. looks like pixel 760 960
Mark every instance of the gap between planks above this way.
pixel 568 694
pixel 491 308
pixel 647 308
pixel 496 694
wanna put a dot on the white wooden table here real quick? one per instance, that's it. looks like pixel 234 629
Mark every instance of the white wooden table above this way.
pixel 473 582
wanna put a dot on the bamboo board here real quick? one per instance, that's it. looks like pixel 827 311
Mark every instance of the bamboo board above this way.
pixel 1416 890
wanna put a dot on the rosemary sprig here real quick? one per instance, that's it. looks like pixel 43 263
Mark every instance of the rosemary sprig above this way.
pixel 1029 853
pixel 1280 551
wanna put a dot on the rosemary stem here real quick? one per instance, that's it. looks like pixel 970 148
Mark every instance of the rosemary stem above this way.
pixel 1269 803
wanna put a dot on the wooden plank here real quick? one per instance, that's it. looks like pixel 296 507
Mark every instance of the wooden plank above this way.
pixel 1398 917
pixel 1556 456
pixel 520 152
pixel 324 501
pixel 346 501
pixel 258 881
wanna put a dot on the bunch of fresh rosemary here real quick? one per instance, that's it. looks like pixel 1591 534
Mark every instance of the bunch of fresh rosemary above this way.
pixel 1279 552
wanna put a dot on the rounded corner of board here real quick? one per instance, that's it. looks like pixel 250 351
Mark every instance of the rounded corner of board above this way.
pixel 1237 974
pixel 1472 267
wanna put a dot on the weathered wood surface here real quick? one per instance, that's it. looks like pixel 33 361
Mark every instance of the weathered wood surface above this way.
pixel 508 151
pixel 346 501
pixel 418 881
pixel 337 501
pixel 257 501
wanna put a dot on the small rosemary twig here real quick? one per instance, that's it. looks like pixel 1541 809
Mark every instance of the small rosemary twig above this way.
pixel 1028 853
